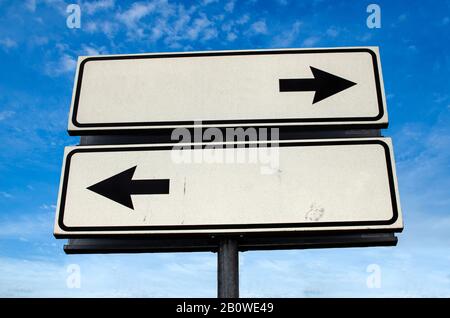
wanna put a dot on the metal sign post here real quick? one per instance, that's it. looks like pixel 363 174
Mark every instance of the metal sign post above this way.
pixel 228 268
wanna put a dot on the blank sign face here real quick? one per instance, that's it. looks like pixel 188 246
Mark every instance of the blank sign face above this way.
pixel 233 88
pixel 312 185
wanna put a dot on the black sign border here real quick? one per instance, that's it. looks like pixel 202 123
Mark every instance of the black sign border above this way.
pixel 180 228
pixel 268 122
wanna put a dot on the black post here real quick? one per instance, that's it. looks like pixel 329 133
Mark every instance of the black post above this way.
pixel 228 269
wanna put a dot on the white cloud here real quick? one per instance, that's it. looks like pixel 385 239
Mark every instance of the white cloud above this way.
pixel 93 7
pixel 48 206
pixel 6 195
pixel 90 50
pixel 30 5
pixel 91 27
pixel 243 20
pixel 412 48
pixel 439 98
pixel 422 156
pixel 39 40
pixel 136 12
pixel 160 275
pixel 65 64
pixel 201 26
pixel 176 24
pixel 258 27
pixel 209 33
pixel 332 32
pixel 405 271
pixel 231 37
pixel 311 41
pixel 402 17
pixel 5 114
pixel 206 2
pixel 30 278
pixel 229 6
pixel 365 37
pixel 161 12
pixel 227 26
pixel 8 43
pixel 59 5
pixel 282 2
pixel 106 27
pixel 38 224
pixel 287 38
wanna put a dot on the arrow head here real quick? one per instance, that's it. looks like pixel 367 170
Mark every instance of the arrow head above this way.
pixel 116 188
pixel 328 84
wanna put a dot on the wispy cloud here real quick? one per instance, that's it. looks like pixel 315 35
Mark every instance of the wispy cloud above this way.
pixel 8 43
pixel 283 2
pixel 26 225
pixel 30 5
pixel 38 40
pixel 311 41
pixel 229 6
pixel 99 5
pixel 365 37
pixel 231 36
pixel 206 2
pixel 108 28
pixel 91 50
pixel 201 28
pixel 6 195
pixel 287 38
pixel 135 13
pixel 258 27
pixel 48 206
pixel 5 114
pixel 177 24
pixel 332 32
pixel 66 64
pixel 180 276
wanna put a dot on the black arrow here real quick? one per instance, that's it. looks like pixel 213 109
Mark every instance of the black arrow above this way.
pixel 323 83
pixel 121 186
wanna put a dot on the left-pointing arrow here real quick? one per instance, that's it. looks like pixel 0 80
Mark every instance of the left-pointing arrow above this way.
pixel 121 186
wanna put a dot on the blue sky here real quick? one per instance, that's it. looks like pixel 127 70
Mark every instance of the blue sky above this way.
pixel 37 57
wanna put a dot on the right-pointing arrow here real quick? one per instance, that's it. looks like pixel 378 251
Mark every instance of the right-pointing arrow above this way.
pixel 121 186
pixel 324 84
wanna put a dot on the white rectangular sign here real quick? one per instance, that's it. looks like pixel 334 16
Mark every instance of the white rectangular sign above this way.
pixel 296 185
pixel 292 87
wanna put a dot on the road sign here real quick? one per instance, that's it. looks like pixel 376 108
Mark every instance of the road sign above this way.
pixel 247 187
pixel 295 87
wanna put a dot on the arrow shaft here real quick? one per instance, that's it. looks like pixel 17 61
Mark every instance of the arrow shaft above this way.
pixel 297 85
pixel 155 186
